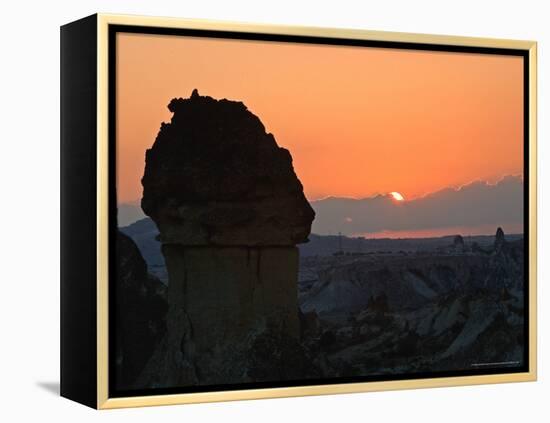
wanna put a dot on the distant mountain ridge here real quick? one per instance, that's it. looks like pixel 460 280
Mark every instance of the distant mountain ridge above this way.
pixel 476 204
pixel 144 233
pixel 470 206
pixel 129 213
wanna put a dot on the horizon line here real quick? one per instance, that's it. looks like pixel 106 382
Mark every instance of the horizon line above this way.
pixel 420 237
pixel 455 188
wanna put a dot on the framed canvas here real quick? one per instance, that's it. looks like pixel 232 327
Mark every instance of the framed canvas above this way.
pixel 256 211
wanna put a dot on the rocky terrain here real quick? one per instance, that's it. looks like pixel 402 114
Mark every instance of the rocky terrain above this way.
pixel 447 304
pixel 456 308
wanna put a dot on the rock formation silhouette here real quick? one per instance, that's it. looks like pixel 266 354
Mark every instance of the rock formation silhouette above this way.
pixel 140 311
pixel 500 240
pixel 458 244
pixel 230 211
pixel 506 263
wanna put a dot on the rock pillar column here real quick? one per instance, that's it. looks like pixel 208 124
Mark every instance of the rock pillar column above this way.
pixel 230 211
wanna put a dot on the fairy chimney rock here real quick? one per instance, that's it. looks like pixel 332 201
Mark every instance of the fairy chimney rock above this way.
pixel 230 211
pixel 500 240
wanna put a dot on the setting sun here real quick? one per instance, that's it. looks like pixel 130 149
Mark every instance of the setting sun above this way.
pixel 397 196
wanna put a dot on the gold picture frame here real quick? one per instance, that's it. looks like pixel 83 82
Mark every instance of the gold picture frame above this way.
pixel 102 22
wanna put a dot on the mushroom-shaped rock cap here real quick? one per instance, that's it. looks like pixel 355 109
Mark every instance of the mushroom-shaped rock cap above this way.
pixel 215 177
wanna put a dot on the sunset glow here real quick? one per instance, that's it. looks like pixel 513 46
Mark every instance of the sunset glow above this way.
pixel 358 122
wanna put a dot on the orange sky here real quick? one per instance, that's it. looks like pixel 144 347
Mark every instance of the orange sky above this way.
pixel 357 121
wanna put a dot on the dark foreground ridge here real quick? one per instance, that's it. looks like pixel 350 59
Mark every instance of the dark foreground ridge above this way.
pixel 140 312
